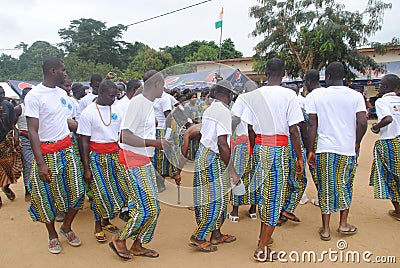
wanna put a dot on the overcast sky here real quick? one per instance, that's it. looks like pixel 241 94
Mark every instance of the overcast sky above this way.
pixel 32 20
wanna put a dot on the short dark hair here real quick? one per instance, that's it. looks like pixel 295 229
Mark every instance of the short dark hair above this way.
pixel 275 67
pixel 95 78
pixel 312 75
pixel 392 81
pixel 335 70
pixel 107 84
pixel 50 63
pixel 133 85
pixel 154 75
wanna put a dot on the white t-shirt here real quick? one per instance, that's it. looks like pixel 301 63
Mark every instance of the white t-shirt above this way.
pixel 302 101
pixel 237 110
pixel 216 121
pixel 336 108
pixel 21 122
pixel 123 104
pixel 74 107
pixel 162 105
pixel 90 123
pixel 83 103
pixel 271 110
pixel 52 107
pixel 141 121
pixel 389 104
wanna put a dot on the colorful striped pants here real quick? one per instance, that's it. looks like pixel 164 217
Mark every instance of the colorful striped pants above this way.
pixel 161 159
pixel 143 204
pixel 109 177
pixel 271 173
pixel 296 184
pixel 27 158
pixel 65 190
pixel 335 177
pixel 210 192
pixel 385 172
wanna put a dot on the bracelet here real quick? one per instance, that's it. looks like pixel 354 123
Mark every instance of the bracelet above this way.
pixel 376 131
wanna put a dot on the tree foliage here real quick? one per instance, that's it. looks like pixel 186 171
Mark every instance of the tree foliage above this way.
pixel 148 60
pixel 311 33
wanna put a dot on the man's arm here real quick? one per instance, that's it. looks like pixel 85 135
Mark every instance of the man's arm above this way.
pixel 72 125
pixel 33 133
pixel 131 139
pixel 361 128
pixel 312 134
pixel 85 151
pixel 252 137
pixel 295 138
pixel 383 123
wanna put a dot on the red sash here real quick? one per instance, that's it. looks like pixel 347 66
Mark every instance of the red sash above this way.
pixel 24 131
pixel 240 140
pixel 132 160
pixel 272 140
pixel 103 148
pixel 55 147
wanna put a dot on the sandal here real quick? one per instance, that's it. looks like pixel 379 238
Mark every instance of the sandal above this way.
pixel 100 237
pixel 290 216
pixel 351 230
pixel 323 238
pixel 392 214
pixel 260 256
pixel 146 253
pixel 252 216
pixel 71 237
pixel 226 238
pixel 234 219
pixel 111 228
pixel 204 246
pixel 123 255
pixel 9 193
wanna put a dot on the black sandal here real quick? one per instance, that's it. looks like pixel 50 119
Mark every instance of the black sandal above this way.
pixel 9 193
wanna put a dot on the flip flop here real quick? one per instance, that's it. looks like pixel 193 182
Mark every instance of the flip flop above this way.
pixel 252 216
pixel 394 215
pixel 204 247
pixel 291 217
pixel 111 228
pixel 147 253
pixel 323 238
pixel 100 237
pixel 259 255
pixel 112 246
pixel 9 193
pixel 352 230
pixel 234 219
pixel 226 238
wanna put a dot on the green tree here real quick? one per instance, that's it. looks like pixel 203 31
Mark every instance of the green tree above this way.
pixel 204 53
pixel 92 41
pixel 80 70
pixel 228 50
pixel 8 68
pixel 148 60
pixel 30 61
pixel 311 33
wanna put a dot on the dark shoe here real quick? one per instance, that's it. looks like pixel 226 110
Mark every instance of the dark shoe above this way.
pixel 9 193
pixel 124 216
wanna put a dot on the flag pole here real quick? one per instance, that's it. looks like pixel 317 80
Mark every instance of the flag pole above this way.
pixel 220 48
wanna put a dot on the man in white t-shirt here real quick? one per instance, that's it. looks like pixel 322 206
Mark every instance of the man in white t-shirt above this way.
pixel 338 115
pixel 211 178
pixel 385 172
pixel 272 113
pixel 95 81
pixel 138 134
pixel 98 128
pixel 56 182
pixel 131 88
pixel 162 108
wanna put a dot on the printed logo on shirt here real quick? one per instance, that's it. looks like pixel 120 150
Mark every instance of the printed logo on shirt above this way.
pixel 69 106
pixel 63 102
pixel 396 108
pixel 114 117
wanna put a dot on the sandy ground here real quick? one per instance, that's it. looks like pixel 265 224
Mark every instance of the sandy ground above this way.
pixel 24 243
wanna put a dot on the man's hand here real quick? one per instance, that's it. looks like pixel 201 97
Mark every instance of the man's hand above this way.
pixel 299 167
pixel 311 159
pixel 44 173
pixel 235 178
pixel 177 177
pixel 162 144
pixel 16 139
pixel 87 175
pixel 357 147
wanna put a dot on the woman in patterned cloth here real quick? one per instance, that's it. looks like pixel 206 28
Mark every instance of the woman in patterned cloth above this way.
pixel 10 148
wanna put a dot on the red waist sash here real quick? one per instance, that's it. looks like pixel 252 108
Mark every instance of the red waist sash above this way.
pixel 51 148
pixel 104 148
pixel 272 140
pixel 132 160
pixel 239 140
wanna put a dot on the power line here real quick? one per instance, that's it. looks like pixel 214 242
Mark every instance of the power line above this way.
pixel 131 24
pixel 168 13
